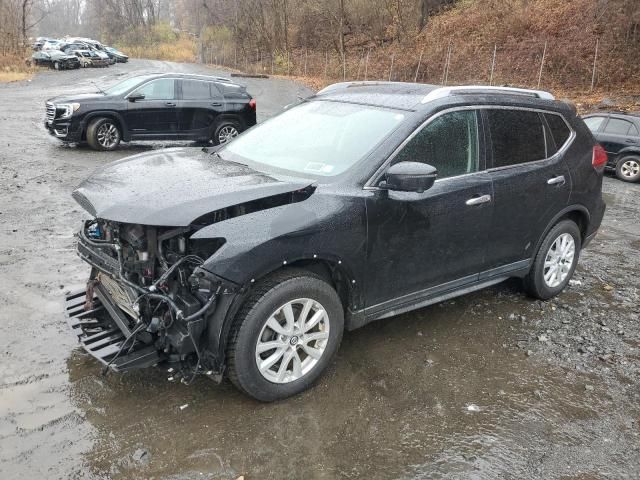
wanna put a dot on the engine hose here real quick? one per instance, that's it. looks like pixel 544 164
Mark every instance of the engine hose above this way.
pixel 204 308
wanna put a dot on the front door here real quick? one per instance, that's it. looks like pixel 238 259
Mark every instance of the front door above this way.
pixel 157 112
pixel 422 244
pixel 531 183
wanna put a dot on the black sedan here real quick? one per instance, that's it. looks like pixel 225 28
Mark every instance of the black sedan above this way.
pixel 55 59
pixel 619 134
pixel 116 55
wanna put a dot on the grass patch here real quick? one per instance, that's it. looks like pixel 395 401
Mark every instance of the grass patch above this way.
pixel 6 77
pixel 160 42
pixel 13 68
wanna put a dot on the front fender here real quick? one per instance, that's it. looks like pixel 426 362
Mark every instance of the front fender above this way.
pixel 321 228
pixel 330 228
pixel 107 113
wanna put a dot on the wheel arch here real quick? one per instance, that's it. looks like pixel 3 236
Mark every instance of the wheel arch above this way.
pixel 115 116
pixel 331 270
pixel 577 213
pixel 627 152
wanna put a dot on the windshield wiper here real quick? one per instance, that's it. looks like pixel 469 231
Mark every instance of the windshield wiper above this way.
pixel 101 91
pixel 230 161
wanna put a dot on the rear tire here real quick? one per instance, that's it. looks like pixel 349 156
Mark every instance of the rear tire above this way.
pixel 628 169
pixel 555 262
pixel 274 363
pixel 103 134
pixel 225 131
pixel 56 65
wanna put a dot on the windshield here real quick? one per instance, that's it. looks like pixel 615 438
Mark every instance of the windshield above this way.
pixel 321 138
pixel 125 85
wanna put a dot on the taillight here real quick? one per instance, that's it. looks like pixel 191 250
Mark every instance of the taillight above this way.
pixel 252 104
pixel 599 159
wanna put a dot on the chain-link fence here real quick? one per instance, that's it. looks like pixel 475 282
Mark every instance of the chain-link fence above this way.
pixel 584 65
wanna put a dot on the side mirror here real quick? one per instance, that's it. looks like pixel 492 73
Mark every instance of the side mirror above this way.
pixel 410 177
pixel 136 97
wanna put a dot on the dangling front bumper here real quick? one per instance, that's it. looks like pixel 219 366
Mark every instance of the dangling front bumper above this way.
pixel 104 332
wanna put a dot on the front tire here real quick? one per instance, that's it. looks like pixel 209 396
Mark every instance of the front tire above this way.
pixel 628 169
pixel 103 134
pixel 285 335
pixel 555 261
pixel 56 66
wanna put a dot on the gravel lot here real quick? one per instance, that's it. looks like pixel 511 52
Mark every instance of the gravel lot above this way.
pixel 491 385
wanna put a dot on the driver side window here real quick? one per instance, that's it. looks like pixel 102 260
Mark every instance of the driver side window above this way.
pixel 161 89
pixel 449 143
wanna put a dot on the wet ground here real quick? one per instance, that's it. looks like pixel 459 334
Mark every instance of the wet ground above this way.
pixel 491 385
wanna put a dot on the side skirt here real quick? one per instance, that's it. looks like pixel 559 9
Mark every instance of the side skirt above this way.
pixel 437 294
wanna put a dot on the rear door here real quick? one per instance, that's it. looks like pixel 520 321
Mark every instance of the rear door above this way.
pixel 200 105
pixel 617 134
pixel 531 183
pixel 156 114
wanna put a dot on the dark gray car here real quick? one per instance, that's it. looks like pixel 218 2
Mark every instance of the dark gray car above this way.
pixel 619 134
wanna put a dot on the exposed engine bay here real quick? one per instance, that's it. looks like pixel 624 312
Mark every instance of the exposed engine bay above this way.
pixel 153 276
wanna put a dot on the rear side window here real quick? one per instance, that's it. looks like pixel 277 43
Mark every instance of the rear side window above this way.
pixel 215 91
pixel 634 131
pixel 517 137
pixel 617 126
pixel 559 129
pixel 449 143
pixel 195 90
pixel 594 123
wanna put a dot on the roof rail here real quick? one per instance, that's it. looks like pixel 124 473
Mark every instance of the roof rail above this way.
pixel 479 89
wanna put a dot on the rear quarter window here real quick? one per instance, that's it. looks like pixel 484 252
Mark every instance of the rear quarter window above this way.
pixel 517 136
pixel 559 129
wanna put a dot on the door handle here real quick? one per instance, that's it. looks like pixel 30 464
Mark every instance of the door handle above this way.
pixel 630 140
pixel 216 104
pixel 478 200
pixel 559 180
pixel 170 104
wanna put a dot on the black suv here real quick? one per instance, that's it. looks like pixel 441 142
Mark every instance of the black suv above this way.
pixel 619 134
pixel 363 202
pixel 153 107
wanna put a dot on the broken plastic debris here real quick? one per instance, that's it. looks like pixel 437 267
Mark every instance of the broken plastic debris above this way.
pixel 472 407
pixel 182 407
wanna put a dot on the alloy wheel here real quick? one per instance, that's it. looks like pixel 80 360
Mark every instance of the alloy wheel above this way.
pixel 227 133
pixel 292 340
pixel 108 135
pixel 559 260
pixel 630 169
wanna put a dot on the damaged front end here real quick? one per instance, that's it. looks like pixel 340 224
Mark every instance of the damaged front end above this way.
pixel 147 300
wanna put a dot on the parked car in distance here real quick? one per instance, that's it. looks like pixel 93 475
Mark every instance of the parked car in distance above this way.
pixel 154 107
pixel 364 201
pixel 55 59
pixel 619 134
pixel 116 55
pixel 98 58
pixel 84 56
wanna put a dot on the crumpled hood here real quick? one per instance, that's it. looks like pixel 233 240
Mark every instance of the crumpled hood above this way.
pixel 174 187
